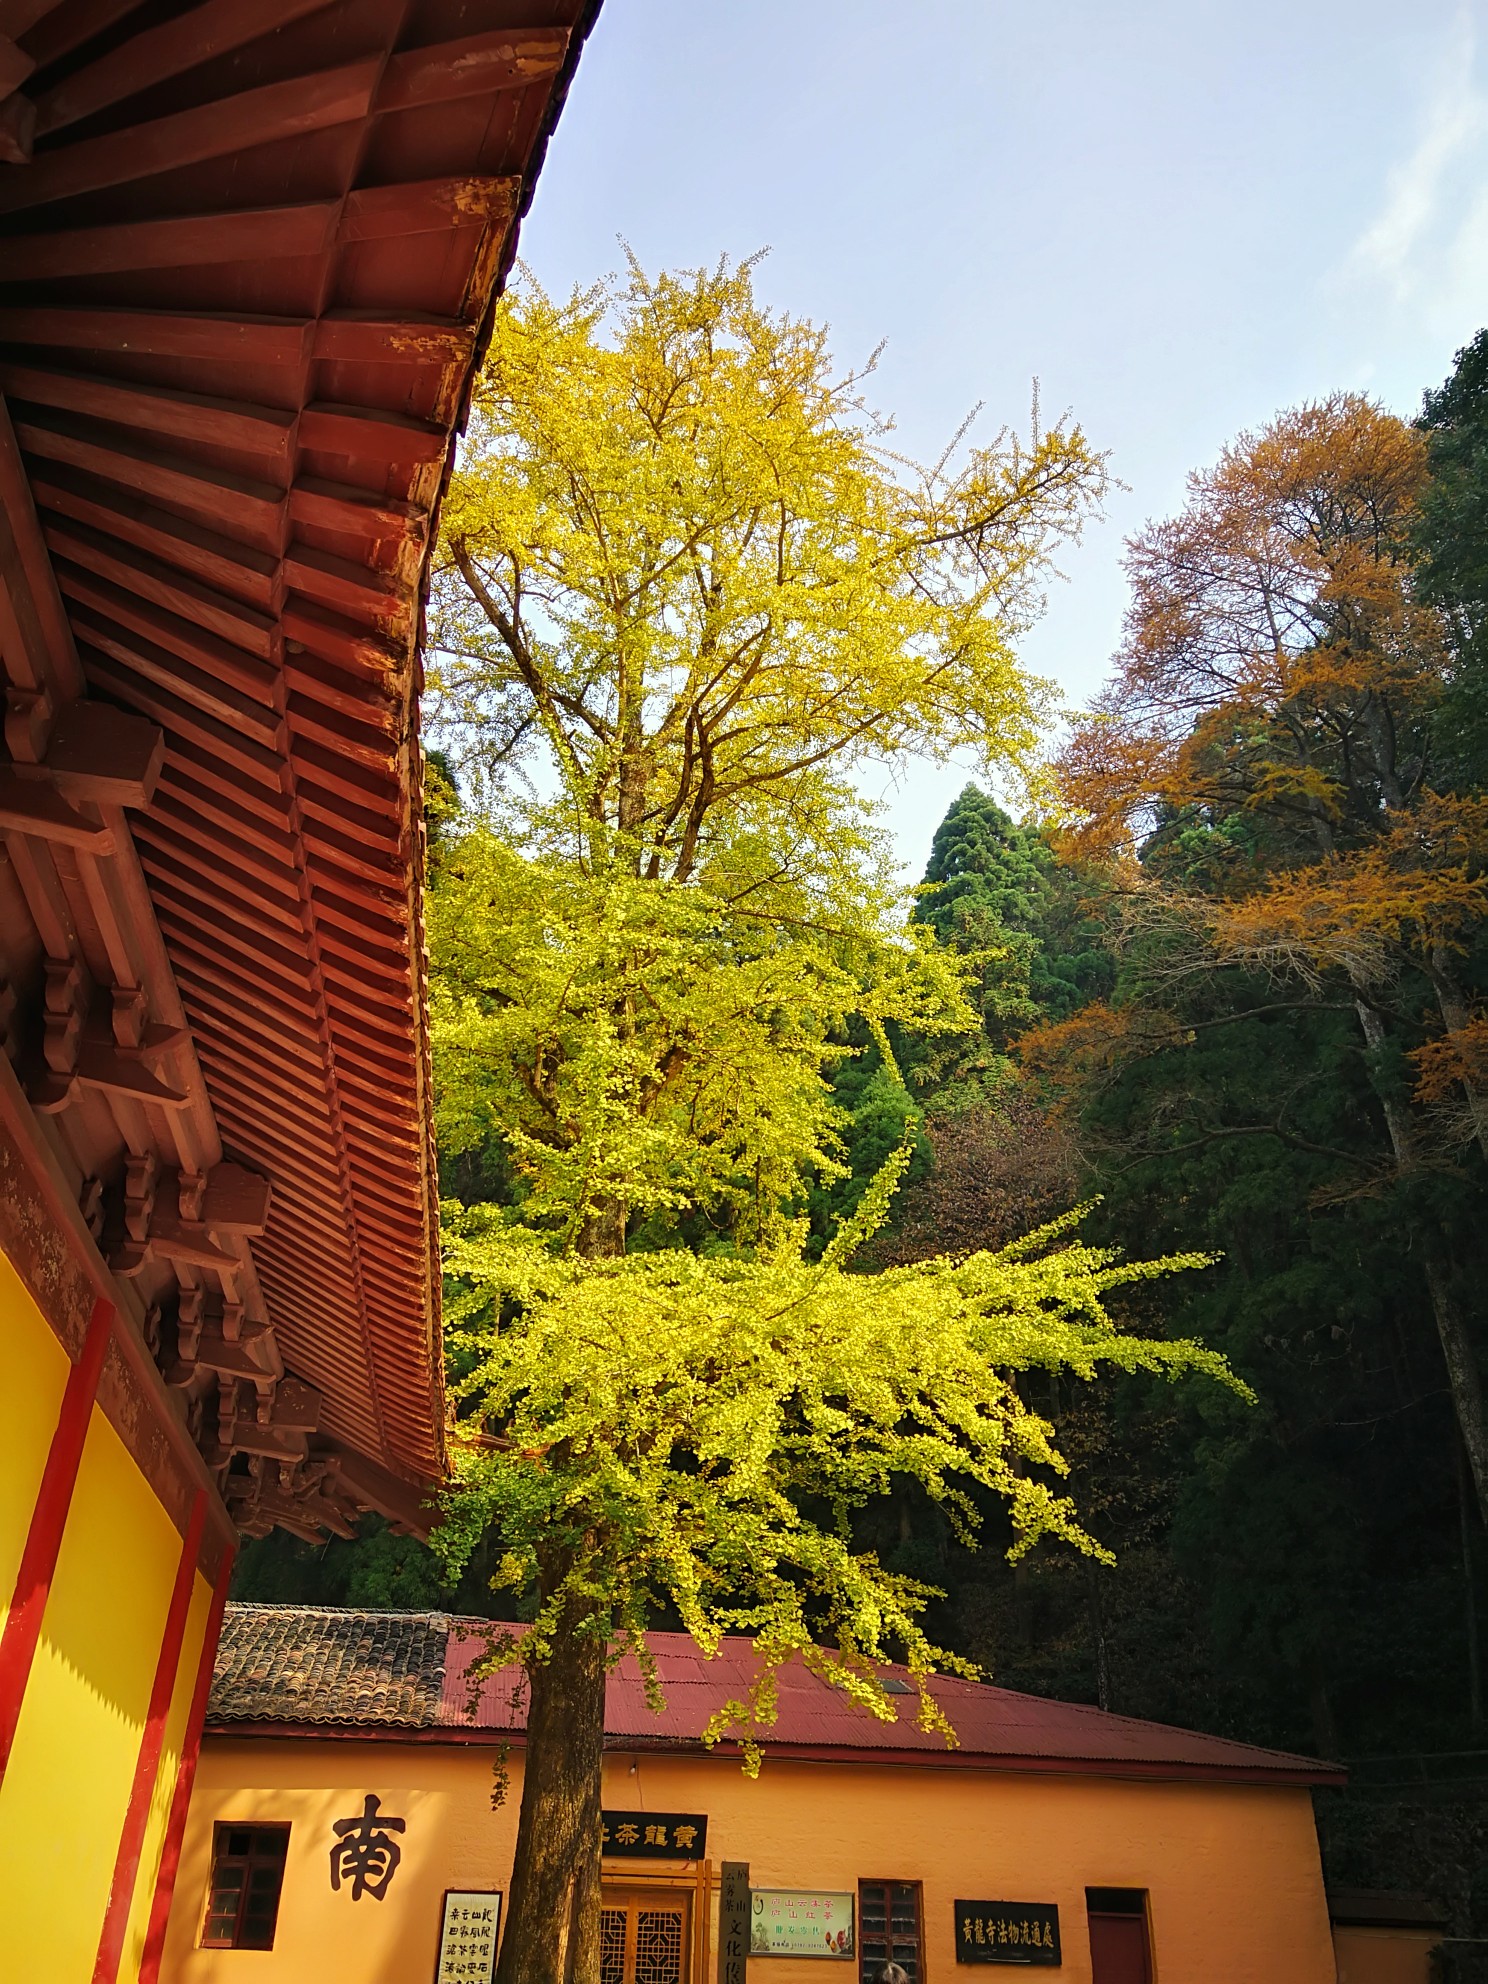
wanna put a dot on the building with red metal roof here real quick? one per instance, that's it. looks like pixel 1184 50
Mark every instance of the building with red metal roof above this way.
pixel 1116 1849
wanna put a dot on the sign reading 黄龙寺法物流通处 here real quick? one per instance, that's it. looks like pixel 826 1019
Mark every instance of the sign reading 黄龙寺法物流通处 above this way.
pixel 1024 1932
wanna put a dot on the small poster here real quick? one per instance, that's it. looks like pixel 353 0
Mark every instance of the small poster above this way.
pixel 1007 1932
pixel 467 1936
pixel 653 1835
pixel 800 1922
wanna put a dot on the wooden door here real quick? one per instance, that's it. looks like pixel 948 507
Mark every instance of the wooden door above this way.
pixel 643 1937
pixel 1118 1950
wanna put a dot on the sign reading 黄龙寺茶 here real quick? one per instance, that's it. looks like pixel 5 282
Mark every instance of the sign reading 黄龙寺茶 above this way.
pixel 467 1936
pixel 1007 1932
pixel 800 1922
pixel 654 1835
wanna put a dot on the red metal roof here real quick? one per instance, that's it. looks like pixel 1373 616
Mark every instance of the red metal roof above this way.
pixel 248 252
pixel 322 1670
pixel 992 1725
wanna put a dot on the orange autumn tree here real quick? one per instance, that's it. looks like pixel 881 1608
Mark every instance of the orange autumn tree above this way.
pixel 1277 681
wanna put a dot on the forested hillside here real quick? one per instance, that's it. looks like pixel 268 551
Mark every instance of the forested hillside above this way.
pixel 1230 995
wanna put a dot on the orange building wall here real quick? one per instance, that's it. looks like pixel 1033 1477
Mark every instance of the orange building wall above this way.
pixel 1383 1956
pixel 1232 1871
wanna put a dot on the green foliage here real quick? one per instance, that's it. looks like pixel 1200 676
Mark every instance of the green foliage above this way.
pixel 994 887
pixel 697 1434
pixel 643 1045
pixel 1451 535
pixel 378 1569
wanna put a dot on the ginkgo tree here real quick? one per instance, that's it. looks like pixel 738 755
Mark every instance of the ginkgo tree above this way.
pixel 684 589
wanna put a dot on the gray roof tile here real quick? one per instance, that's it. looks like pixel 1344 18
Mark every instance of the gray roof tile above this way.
pixel 306 1664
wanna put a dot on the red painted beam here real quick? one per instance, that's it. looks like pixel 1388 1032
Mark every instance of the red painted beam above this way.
pixel 152 1742
pixel 175 1828
pixel 48 1520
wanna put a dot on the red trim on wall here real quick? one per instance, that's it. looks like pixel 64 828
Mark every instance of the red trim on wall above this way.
pixel 48 1520
pixel 152 1742
pixel 170 1857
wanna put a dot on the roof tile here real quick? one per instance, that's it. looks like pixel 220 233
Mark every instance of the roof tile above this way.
pixel 305 1666
pixel 323 1664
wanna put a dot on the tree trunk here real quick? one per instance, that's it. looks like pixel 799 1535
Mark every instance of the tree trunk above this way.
pixel 1320 1707
pixel 1462 1371
pixel 552 1923
pixel 1470 1597
pixel 1463 1374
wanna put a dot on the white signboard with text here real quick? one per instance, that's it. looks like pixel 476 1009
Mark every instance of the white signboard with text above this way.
pixel 467 1936
pixel 800 1922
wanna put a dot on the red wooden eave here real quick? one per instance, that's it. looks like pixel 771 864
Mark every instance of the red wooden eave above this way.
pixel 248 255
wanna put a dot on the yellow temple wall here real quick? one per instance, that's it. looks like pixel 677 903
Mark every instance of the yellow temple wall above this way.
pixel 1232 1872
pixel 78 1806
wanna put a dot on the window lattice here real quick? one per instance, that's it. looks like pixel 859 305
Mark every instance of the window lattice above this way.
pixel 612 1946
pixel 658 1946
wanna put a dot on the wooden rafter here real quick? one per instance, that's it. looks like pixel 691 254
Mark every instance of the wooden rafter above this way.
pixel 243 279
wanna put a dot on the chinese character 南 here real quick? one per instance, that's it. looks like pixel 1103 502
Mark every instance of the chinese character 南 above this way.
pixel 365 1853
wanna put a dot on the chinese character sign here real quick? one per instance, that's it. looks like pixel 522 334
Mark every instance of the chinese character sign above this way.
pixel 366 1855
pixel 467 1937
pixel 654 1835
pixel 733 1921
pixel 1007 1932
pixel 791 1922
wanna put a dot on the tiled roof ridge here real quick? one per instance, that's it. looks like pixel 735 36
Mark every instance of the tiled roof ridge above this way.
pixel 237 1605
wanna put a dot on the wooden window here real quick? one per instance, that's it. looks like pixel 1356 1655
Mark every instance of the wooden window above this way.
pixel 247 1876
pixel 1120 1950
pixel 889 1929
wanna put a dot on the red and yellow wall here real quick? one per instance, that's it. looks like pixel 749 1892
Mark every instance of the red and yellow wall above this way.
pixel 114 1555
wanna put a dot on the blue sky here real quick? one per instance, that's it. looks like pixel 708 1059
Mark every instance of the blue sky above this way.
pixel 1180 215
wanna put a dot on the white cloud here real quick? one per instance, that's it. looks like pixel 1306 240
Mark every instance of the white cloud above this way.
pixel 1426 246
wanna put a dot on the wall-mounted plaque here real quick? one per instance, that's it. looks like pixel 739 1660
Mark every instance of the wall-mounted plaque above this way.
pixel 654 1835
pixel 800 1922
pixel 467 1936
pixel 1007 1932
pixel 733 1921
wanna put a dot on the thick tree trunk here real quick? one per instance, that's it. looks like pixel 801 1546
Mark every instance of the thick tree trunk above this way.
pixel 1463 1375
pixel 552 1923
pixel 552 1926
